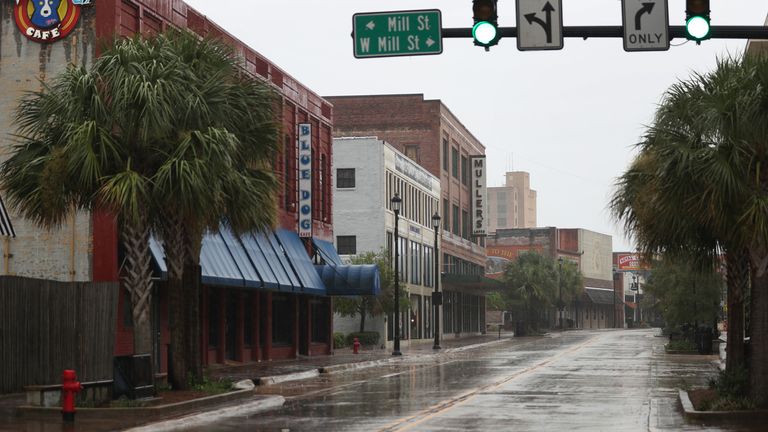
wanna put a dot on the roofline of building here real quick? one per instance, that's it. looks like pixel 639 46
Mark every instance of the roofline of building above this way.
pixel 393 95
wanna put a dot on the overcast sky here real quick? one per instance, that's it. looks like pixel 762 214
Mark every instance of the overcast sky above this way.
pixel 570 118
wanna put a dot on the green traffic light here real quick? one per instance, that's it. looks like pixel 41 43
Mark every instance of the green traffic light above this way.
pixel 697 27
pixel 484 33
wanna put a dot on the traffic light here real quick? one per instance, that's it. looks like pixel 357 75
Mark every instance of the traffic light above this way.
pixel 697 20
pixel 485 32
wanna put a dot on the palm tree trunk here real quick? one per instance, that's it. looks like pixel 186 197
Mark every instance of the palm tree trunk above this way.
pixel 758 356
pixel 193 242
pixel 737 280
pixel 173 246
pixel 138 281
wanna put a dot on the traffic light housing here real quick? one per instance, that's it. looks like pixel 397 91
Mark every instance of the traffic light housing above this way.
pixel 697 26
pixel 485 32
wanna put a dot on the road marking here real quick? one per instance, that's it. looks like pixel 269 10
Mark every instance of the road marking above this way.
pixel 446 405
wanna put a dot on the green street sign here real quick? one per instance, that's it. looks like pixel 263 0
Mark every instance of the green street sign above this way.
pixel 400 33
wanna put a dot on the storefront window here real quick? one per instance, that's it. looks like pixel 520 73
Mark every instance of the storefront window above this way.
pixel 320 329
pixel 282 320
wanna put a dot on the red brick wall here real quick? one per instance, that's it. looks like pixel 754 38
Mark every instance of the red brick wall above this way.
pixel 127 17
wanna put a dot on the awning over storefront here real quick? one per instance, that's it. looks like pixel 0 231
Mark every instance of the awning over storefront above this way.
pixel 345 280
pixel 350 280
pixel 602 296
pixel 327 252
pixel 275 261
pixel 300 262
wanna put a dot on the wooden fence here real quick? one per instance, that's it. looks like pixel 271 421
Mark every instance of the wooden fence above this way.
pixel 48 326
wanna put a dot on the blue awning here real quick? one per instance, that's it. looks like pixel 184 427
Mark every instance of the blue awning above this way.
pixel 300 262
pixel 327 252
pixel 350 280
pixel 276 261
pixel 251 276
pixel 217 263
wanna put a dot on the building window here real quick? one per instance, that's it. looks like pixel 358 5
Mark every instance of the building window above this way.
pixel 345 178
pixel 456 221
pixel 446 216
pixel 464 171
pixel 455 162
pixel 290 173
pixel 445 154
pixel 282 320
pixel 465 224
pixel 412 152
pixel 320 320
pixel 214 317
pixel 346 245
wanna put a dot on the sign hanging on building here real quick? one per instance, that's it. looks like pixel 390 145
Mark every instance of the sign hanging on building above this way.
pixel 46 20
pixel 629 262
pixel 479 196
pixel 305 180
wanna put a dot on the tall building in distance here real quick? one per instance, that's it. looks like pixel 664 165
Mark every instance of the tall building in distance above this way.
pixel 512 205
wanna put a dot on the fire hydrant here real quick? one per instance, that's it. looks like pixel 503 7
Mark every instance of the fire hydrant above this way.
pixel 70 386
pixel 355 346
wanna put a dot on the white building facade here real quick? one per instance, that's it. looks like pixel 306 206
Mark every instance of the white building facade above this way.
pixel 367 173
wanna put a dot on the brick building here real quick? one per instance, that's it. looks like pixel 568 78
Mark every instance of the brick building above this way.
pixel 600 306
pixel 428 133
pixel 262 299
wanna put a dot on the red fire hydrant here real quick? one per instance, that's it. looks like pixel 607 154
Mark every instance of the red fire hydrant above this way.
pixel 355 346
pixel 70 386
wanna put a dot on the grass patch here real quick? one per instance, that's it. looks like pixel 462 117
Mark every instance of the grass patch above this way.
pixel 213 387
pixel 124 402
pixel 680 345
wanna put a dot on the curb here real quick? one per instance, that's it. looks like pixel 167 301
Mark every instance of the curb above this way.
pixel 174 409
pixel 691 413
pixel 421 356
pixel 277 379
pixel 264 403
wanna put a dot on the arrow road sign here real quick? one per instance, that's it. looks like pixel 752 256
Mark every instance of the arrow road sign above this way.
pixel 399 33
pixel 646 25
pixel 539 25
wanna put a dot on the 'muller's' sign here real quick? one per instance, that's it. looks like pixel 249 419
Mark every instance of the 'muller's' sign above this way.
pixel 479 196
pixel 305 180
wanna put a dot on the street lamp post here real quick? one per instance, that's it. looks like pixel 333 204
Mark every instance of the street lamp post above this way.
pixel 615 274
pixel 635 289
pixel 560 305
pixel 396 201
pixel 436 300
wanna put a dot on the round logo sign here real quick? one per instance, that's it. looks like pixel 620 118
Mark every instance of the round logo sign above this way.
pixel 46 20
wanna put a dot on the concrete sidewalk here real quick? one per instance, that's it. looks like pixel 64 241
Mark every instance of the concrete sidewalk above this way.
pixel 273 372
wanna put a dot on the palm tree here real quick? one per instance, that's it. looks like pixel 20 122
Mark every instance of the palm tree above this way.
pixel 170 135
pixel 532 278
pixel 700 183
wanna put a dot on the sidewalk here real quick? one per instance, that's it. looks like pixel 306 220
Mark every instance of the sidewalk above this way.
pixel 273 372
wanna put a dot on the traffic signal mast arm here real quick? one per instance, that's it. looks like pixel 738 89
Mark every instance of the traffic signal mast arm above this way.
pixel 586 32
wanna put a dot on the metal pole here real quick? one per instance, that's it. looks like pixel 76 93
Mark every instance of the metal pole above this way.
pixel 560 305
pixel 437 286
pixel 614 299
pixel 586 32
pixel 396 351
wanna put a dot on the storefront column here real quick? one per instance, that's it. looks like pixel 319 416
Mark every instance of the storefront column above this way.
pixel 239 327
pixel 221 349
pixel 256 338
pixel 296 329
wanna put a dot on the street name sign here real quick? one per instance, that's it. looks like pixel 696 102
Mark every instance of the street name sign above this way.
pixel 539 25
pixel 398 33
pixel 646 25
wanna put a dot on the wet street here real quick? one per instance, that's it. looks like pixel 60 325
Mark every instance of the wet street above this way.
pixel 597 381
